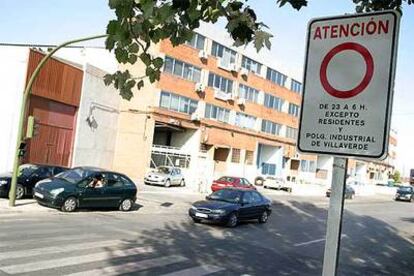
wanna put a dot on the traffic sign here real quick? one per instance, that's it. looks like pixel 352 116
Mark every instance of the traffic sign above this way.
pixel 348 85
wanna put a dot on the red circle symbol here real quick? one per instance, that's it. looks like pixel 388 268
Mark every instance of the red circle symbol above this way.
pixel 369 62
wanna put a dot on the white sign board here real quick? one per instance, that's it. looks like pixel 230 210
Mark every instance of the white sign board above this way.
pixel 348 85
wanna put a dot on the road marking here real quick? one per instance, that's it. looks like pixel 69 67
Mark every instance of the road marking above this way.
pixel 40 231
pixel 77 260
pixel 315 241
pixel 133 266
pixel 48 240
pixel 58 249
pixel 196 271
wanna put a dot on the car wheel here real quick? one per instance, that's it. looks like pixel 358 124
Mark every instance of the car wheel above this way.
pixel 196 220
pixel 70 204
pixel 19 191
pixel 126 205
pixel 259 181
pixel 232 221
pixel 167 183
pixel 264 217
pixel 182 183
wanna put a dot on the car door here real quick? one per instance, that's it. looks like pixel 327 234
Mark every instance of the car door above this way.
pixel 175 176
pixel 114 190
pixel 39 174
pixel 247 207
pixel 258 204
pixel 92 196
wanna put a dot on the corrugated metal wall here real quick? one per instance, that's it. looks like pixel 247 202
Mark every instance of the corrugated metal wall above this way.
pixel 54 103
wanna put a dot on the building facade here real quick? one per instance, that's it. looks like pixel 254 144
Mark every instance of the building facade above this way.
pixel 217 111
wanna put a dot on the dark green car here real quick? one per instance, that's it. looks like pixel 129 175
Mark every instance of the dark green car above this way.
pixel 86 187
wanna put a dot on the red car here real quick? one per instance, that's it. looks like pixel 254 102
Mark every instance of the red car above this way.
pixel 231 181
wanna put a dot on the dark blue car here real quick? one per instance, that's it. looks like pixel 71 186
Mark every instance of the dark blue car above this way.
pixel 231 205
pixel 29 175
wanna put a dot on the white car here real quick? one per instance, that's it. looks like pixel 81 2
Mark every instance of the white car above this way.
pixel 276 183
pixel 165 176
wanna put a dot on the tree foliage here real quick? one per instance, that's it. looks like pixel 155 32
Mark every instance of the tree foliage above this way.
pixel 397 177
pixel 142 23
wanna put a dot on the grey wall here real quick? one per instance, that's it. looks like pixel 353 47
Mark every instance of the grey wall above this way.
pixel 95 141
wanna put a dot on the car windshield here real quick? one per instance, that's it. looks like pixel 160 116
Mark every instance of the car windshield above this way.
pixel 226 179
pixel 74 176
pixel 232 196
pixel 27 169
pixel 165 170
pixel 405 189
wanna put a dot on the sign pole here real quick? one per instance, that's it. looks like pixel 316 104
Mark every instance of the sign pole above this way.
pixel 334 222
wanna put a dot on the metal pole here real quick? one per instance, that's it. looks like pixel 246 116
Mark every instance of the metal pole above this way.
pixel 16 163
pixel 334 223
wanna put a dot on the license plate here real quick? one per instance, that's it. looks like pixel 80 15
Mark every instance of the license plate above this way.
pixel 39 195
pixel 200 215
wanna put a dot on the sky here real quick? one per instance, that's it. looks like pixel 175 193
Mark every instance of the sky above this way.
pixel 55 21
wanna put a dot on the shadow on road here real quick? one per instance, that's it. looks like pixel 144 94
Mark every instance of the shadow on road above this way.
pixel 281 247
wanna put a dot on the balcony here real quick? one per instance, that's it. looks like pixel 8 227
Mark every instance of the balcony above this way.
pixel 218 94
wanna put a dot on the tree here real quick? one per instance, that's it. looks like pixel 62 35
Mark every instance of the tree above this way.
pixel 141 23
pixel 397 177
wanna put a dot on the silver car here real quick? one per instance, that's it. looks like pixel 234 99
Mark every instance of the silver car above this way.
pixel 165 176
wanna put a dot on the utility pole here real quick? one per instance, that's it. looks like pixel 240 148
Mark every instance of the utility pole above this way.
pixel 20 131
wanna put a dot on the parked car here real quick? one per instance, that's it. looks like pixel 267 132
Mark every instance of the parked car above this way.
pixel 277 183
pixel 165 176
pixel 405 193
pixel 86 187
pixel 29 175
pixel 349 192
pixel 231 181
pixel 231 205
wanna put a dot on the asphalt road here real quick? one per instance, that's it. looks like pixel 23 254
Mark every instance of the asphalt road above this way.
pixel 159 239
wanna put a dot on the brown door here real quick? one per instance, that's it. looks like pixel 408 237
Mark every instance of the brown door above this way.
pixel 54 140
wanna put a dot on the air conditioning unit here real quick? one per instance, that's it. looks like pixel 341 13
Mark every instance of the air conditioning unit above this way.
pixel 233 67
pixel 195 117
pixel 200 87
pixel 241 101
pixel 203 55
pixel 244 72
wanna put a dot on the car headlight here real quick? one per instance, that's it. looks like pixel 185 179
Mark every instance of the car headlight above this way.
pixel 193 208
pixel 218 211
pixel 3 182
pixel 55 192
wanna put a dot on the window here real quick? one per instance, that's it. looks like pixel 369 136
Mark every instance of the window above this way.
pixel 248 160
pixel 248 93
pixel 217 113
pixel 114 181
pixel 220 83
pixel 270 127
pixel 228 55
pixel 291 132
pixel 247 198
pixel 268 169
pixel 197 41
pixel 177 103
pixel 296 86
pixel 251 65
pixel 235 155
pixel 293 109
pixel 273 102
pixel 257 198
pixel 276 77
pixel 307 166
pixel 245 121
pixel 182 69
